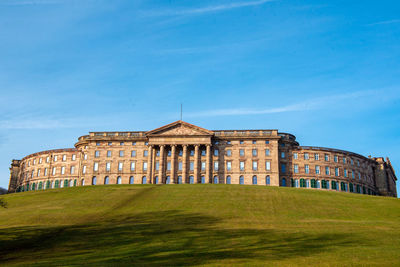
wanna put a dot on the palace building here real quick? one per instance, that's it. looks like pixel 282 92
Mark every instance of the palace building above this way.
pixel 182 153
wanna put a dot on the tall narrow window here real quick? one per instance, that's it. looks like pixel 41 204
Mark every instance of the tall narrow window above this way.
pixel 254 152
pixel 327 170
pixel 96 166
pixel 180 165
pixel 268 165
pixel 216 152
pixel 267 152
pixel 306 156
pixel 109 154
pixel 97 154
pixel 241 165
pixel 63 170
pixel 72 169
pixel 216 165
pixel 336 171
pixel 306 168
pixel 157 165
pixel 145 166
pixel 255 167
pixel 282 155
pixel 121 153
pixel 191 165
pixel 53 171
pixel 295 155
pixel 133 166
pixel 317 169
pixel 296 168
pixel 228 165
pixel 120 166
pixel 326 157
pixel 83 169
pixel 203 165
pixel 229 152
pixel 168 165
pixel 64 157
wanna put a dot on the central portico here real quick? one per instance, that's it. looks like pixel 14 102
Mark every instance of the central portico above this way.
pixel 183 143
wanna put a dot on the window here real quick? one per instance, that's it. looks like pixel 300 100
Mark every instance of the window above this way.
pixel 121 143
pixel 254 152
pixel 266 142
pixel 55 158
pixel 133 166
pixel 110 143
pixel 267 152
pixel 203 165
pixel 344 160
pixel 268 165
pixel 326 157
pixel 358 163
pixel 313 183
pixel 241 165
pixel 180 165
pixel 228 165
pixel 85 156
pixel 241 142
pixel 255 165
pixel 216 180
pixel 168 165
pixel 106 180
pixel 169 153
pixel 241 180
pixel 83 169
pixel 336 159
pixel 121 153
pixel 145 166
pixel 133 143
pixel 97 143
pixel 45 171
pixel 216 152
pixel 146 143
pixel 229 152
pixel 109 154
pixel 267 180
pixel 53 172
pixel 72 170
pixel 133 153
pixel 180 152
pixel 191 152
pixel 254 179
pixel 203 152
pixel 345 172
pixel 283 168
pixel 327 170
pixel 216 142
pixel 157 166
pixel 157 153
pixel 179 179
pixel 97 154
pixel 295 155
pixel 306 168
pixel 120 166
pixel 306 156
pixel 144 180
pixel 336 171
pixel 94 180
pixel 47 159
pixel 216 165
pixel 38 172
pixel 119 180
pixel 191 180
pixel 96 166
pixel 131 180
pixel 316 156
pixel 108 166
pixel 254 142
pixel 64 158
pixel 228 180
pixel 241 152
pixel 296 168
pixel 145 153
pixel 303 183
pixel 317 169
pixel 282 155
pixel 40 159
pixel 228 142
pixel 283 181
pixel 351 161
pixel 73 158
pixel 191 165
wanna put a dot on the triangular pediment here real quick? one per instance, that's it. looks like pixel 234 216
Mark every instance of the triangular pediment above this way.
pixel 180 128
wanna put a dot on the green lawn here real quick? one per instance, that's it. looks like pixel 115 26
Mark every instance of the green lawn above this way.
pixel 198 225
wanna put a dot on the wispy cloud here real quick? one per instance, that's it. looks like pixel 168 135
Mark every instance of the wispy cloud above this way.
pixel 207 9
pixel 311 104
pixel 384 22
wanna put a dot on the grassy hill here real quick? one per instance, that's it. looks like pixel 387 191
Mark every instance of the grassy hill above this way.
pixel 198 225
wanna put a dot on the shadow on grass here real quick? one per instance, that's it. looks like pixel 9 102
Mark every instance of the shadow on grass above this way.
pixel 156 238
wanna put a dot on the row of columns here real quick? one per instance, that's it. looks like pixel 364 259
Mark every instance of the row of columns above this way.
pixel 151 172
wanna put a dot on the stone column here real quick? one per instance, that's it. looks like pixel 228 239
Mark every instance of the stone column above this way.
pixel 208 163
pixel 184 161
pixel 153 165
pixel 196 164
pixel 161 165
pixel 149 161
pixel 172 173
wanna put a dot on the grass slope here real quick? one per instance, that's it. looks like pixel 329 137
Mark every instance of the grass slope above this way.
pixel 198 225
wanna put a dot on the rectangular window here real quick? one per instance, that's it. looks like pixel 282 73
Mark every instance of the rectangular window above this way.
pixel 241 142
pixel 109 154
pixel 55 158
pixel 203 152
pixel 145 153
pixel 53 171
pixel 254 152
pixel 121 153
pixel 145 166
pixel 306 156
pixel 96 166
pixel 336 171
pixel 64 157
pixel 47 159
pixel 45 171
pixel 108 166
pixel 351 161
pixel 168 165
pixel 228 165
pixel 352 174
pixel 283 167
pixel 267 152
pixel 358 163
pixel 157 166
pixel 241 152
pixel 345 172
pixel 216 152
pixel 133 165
pixel 133 153
pixel 306 168
pixel 38 172
pixel 72 169
pixel 191 152
pixel 180 165
pixel 255 165
pixel 241 165
pixel 282 155
pixel 229 152
pixel 336 159
pixel 203 165
pixel 296 168
pixel 83 169
pixel 169 153
pixel 326 157
pixel 216 165
pixel 316 156
pixel 191 166
pixel 40 159
pixel 157 153
pixel 73 157
pixel 85 156
pixel 180 152
pixel 121 143
pixel 254 142
pixel 344 160
pixel 295 155
pixel 133 143
pixel 97 154
pixel 266 142
pixel 317 169
pixel 268 165
pixel 110 143
pixel 327 171
pixel 97 143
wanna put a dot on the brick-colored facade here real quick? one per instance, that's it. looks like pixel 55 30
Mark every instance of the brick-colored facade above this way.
pixel 184 153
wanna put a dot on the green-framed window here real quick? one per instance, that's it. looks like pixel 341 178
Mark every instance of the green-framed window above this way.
pixel 303 182
pixel 313 183
pixel 40 185
pixel 56 184
pixel 66 183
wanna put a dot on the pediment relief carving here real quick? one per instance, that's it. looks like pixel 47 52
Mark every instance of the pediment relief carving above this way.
pixel 180 128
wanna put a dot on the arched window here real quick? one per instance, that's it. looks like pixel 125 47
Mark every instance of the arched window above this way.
pixel 307 183
pixel 283 181
pixel 131 180
pixel 94 180
pixel 267 180
pixel 106 180
pixel 47 184
pixel 191 179
pixel 254 179
pixel 342 186
pixel 228 180
pixel 82 182
pixel 318 184
pixel 56 184
pixel 351 187
pixel 119 180
pixel 27 187
pixel 313 183
pixel 215 179
pixel 33 186
pixel 327 184
pixel 71 183
pixel 40 185
pixel 302 182
pixel 179 179
pixel 241 180
pixel 144 180
pixel 203 179
pixel 168 180
pixel 156 180
pixel 66 183
pixel 75 181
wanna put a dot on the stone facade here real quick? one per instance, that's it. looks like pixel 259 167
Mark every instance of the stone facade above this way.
pixel 180 153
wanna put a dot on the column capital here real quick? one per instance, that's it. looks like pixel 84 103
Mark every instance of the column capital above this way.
pixel 196 145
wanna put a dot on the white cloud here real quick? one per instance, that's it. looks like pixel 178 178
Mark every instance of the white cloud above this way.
pixel 208 9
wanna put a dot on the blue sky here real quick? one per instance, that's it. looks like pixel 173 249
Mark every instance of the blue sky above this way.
pixel 327 72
